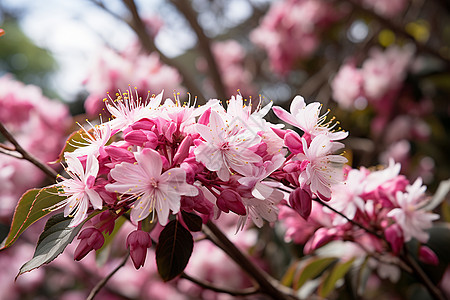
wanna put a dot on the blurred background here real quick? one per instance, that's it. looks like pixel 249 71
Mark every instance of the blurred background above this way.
pixel 381 67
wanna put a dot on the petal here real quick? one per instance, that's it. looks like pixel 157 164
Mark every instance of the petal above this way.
pixel 95 199
pixel 150 161
pixel 285 116
pixel 141 209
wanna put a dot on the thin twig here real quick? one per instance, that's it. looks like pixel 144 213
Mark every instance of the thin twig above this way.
pixel 206 285
pixel 368 230
pixel 204 44
pixel 26 155
pixel 434 291
pixel 147 43
pixel 102 282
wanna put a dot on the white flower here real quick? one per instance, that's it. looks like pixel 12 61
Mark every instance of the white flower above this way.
pixel 126 110
pixel 410 215
pixel 225 147
pixel 324 169
pixel 94 139
pixel 152 190
pixel 79 189
pixel 308 119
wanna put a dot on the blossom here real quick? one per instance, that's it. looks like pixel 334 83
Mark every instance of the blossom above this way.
pixel 126 109
pixel 79 189
pixel 323 169
pixel 93 140
pixel 225 147
pixel 152 190
pixel 308 119
pixel 410 215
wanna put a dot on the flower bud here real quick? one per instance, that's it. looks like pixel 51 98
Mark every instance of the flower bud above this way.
pixel 301 201
pixel 394 235
pixel 138 242
pixel 183 150
pixel 231 200
pixel 428 256
pixel 293 141
pixel 91 239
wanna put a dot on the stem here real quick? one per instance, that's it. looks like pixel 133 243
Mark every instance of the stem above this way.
pixel 221 240
pixel 206 285
pixel 26 155
pixel 350 220
pixel 204 44
pixel 147 43
pixel 102 282
pixel 434 291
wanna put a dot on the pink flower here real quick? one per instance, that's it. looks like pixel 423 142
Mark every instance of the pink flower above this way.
pixel 409 214
pixel 308 119
pixel 80 189
pixel 347 86
pixel 93 141
pixel 144 182
pixel 91 239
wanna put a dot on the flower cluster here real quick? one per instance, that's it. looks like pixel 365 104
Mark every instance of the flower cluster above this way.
pixel 32 118
pixel 374 211
pixel 158 158
pixel 290 31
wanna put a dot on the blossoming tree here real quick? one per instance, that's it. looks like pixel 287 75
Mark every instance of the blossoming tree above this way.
pixel 181 196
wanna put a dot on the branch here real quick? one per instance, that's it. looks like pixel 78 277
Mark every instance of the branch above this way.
pixel 206 285
pixel 102 282
pixel 204 44
pixel 399 30
pixel 25 154
pixel 266 286
pixel 147 43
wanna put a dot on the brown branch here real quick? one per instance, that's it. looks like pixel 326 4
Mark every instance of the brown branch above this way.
pixel 26 155
pixel 266 286
pixel 434 291
pixel 399 30
pixel 102 282
pixel 204 44
pixel 147 43
pixel 208 286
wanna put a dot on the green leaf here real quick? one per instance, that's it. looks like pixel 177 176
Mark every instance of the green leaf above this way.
pixel 192 221
pixel 52 242
pixel 31 207
pixel 313 268
pixel 288 277
pixel 72 143
pixel 338 272
pixel 173 250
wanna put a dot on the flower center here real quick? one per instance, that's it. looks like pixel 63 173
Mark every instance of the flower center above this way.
pixel 225 147
pixel 153 182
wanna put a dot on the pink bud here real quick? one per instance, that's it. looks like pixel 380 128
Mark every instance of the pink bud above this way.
pixel 231 200
pixel 183 150
pixel 301 201
pixel 279 132
pixel 204 119
pixel 321 237
pixel 428 256
pixel 143 124
pixel 394 235
pixel 138 242
pixel 91 239
pixel 293 142
pixel 120 154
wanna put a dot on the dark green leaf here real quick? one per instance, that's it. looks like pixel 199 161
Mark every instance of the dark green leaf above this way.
pixel 52 242
pixel 173 250
pixel 31 207
pixel 313 268
pixel 192 221
pixel 338 272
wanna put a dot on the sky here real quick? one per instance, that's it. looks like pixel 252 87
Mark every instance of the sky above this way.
pixel 76 31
